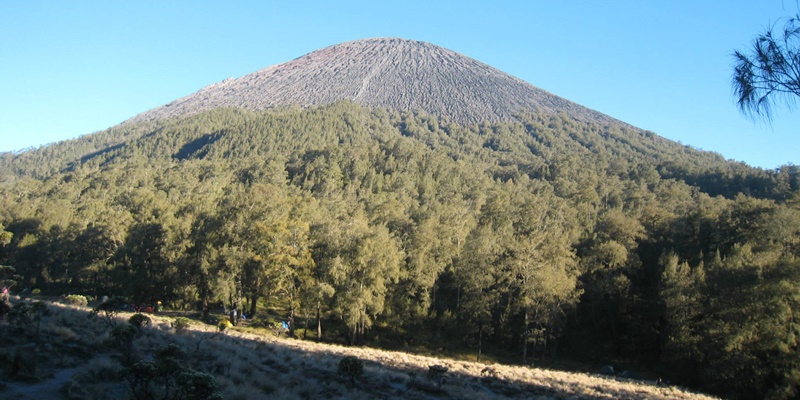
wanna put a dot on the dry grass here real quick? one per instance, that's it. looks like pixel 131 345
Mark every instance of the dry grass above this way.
pixel 80 364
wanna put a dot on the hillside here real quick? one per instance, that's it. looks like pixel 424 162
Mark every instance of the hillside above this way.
pixel 390 73
pixel 256 364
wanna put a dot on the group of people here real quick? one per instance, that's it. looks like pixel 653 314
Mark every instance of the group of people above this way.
pixel 233 314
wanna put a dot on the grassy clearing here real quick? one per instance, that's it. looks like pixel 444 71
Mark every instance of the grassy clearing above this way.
pixel 74 357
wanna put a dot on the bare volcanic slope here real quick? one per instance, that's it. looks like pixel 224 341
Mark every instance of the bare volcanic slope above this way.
pixel 387 73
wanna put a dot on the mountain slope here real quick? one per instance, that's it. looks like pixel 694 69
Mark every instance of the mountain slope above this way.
pixel 387 73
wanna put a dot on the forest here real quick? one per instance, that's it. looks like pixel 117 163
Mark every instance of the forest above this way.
pixel 545 238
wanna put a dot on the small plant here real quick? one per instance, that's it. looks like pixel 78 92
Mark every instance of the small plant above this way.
pixel 109 309
pixel 140 375
pixel 77 300
pixel 181 325
pixel 36 291
pixel 198 385
pixel 352 368
pixel 28 316
pixel 139 321
pixel 123 336
pixel 223 324
pixel 436 374
pixel 168 366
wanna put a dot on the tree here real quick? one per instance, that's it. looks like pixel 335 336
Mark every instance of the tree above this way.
pixel 770 73
pixel 5 236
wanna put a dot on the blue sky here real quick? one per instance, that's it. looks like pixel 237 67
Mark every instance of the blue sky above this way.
pixel 73 68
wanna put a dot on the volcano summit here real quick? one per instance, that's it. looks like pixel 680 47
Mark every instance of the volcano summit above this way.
pixel 389 73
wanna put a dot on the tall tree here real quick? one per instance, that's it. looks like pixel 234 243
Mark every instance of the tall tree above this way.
pixel 769 74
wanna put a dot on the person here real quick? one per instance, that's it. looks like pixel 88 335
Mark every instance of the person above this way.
pixel 4 295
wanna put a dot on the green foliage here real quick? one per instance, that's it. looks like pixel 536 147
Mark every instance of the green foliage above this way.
pixel 181 325
pixel 166 378
pixel 768 74
pixel 5 236
pixel 108 310
pixel 122 337
pixel 368 221
pixel 139 321
pixel 198 385
pixel 140 377
pixel 28 316
pixel 351 368
pixel 77 300
pixel 7 276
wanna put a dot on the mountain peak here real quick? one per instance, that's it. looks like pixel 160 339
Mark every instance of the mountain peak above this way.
pixel 390 73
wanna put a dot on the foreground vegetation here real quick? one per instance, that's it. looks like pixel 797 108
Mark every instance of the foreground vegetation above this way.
pixel 536 241
pixel 75 357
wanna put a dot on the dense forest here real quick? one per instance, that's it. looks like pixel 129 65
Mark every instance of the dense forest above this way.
pixel 547 237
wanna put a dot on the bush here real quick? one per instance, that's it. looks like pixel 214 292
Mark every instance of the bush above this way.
pixel 181 324
pixel 139 321
pixel 198 385
pixel 108 310
pixel 77 300
pixel 36 291
pixel 352 368
pixel 123 336
pixel 28 316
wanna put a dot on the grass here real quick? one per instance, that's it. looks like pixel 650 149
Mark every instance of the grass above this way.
pixel 75 359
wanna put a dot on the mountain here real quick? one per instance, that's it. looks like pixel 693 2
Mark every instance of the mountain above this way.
pixel 389 73
pixel 394 193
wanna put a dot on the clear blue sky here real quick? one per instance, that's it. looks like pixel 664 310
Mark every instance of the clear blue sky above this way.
pixel 69 68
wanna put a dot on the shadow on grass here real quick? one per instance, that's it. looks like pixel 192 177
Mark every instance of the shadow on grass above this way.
pixel 248 364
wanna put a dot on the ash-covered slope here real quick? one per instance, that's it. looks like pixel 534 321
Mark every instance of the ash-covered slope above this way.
pixel 386 73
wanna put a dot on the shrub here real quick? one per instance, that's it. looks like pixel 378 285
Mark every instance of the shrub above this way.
pixel 36 291
pixel 77 300
pixel 139 321
pixel 109 309
pixel 28 316
pixel 181 324
pixel 123 336
pixel 352 368
pixel 198 385
pixel 140 376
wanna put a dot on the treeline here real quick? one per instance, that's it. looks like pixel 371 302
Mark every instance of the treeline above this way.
pixel 536 236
